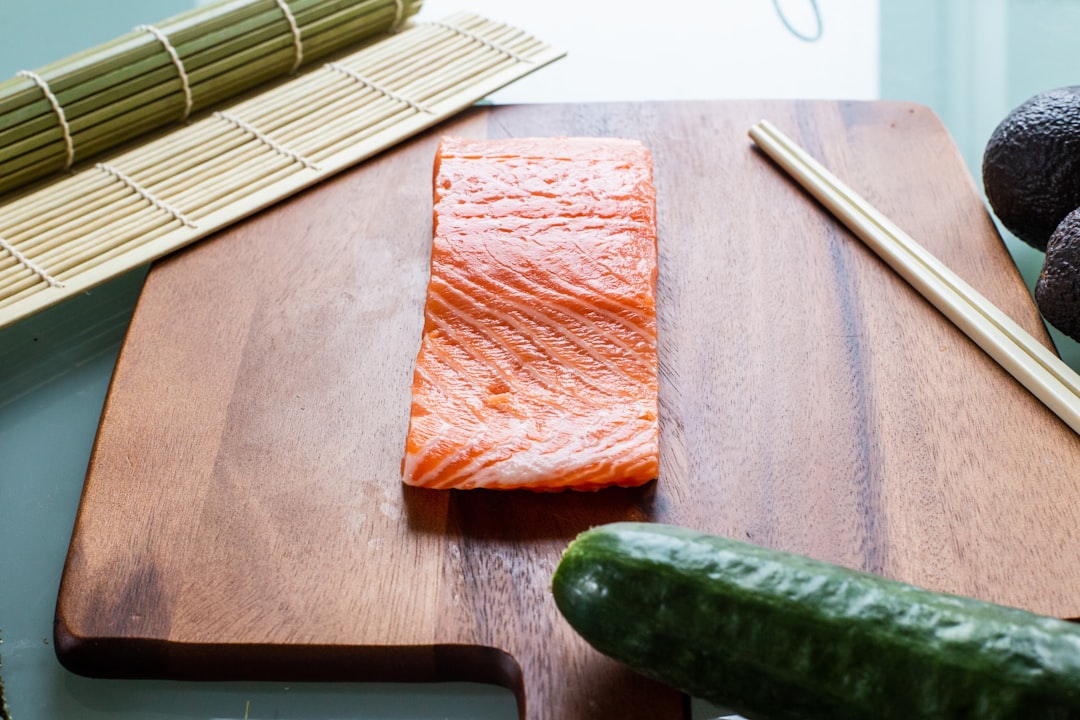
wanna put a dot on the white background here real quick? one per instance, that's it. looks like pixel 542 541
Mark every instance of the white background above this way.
pixel 696 49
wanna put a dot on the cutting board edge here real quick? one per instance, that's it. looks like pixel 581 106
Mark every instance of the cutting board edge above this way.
pixel 148 658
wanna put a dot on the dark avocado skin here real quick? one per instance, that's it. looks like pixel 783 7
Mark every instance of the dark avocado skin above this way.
pixel 1031 166
pixel 1057 292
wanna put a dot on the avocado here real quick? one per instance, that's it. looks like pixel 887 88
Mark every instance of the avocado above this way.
pixel 1031 165
pixel 1057 291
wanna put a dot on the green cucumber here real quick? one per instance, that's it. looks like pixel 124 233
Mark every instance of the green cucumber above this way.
pixel 777 635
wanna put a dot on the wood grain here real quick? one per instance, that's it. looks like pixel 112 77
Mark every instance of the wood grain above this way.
pixel 243 514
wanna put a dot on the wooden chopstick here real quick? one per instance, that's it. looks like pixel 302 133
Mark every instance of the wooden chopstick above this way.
pixel 1038 369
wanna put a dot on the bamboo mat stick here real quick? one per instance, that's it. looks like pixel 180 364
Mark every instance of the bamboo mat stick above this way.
pixel 1021 355
pixel 36 205
pixel 170 152
pixel 40 222
pixel 255 187
pixel 371 127
pixel 52 228
pixel 162 229
pixel 51 251
pixel 360 119
pixel 216 184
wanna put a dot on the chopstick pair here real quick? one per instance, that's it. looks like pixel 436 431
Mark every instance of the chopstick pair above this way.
pixel 1044 374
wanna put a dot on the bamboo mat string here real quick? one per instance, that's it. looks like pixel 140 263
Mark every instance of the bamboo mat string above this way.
pixel 29 264
pixel 353 75
pixel 399 12
pixel 184 83
pixel 297 40
pixel 145 194
pixel 69 143
pixel 265 139
pixel 482 40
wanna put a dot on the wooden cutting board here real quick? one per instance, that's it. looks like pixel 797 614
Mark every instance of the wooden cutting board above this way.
pixel 243 514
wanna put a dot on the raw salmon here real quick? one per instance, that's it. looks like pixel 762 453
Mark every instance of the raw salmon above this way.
pixel 537 367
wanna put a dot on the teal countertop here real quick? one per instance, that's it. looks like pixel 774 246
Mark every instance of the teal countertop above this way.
pixel 969 60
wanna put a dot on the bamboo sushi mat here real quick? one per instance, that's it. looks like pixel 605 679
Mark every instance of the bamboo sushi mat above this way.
pixel 132 207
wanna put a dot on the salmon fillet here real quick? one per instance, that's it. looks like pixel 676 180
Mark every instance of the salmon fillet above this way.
pixel 537 367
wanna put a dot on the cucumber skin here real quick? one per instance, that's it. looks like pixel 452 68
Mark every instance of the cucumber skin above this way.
pixel 777 635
